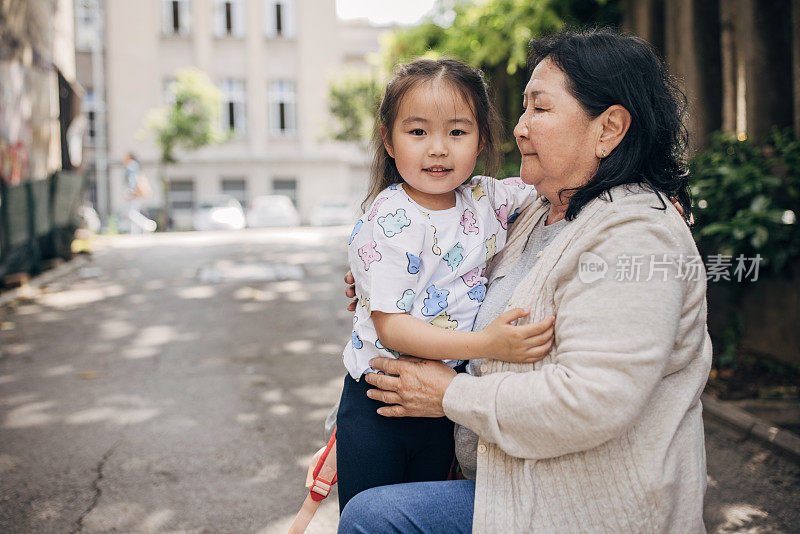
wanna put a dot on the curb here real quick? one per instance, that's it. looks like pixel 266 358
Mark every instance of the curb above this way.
pixel 44 278
pixel 774 437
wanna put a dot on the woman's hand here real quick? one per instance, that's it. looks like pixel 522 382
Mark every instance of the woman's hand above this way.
pixel 350 290
pixel 527 343
pixel 413 386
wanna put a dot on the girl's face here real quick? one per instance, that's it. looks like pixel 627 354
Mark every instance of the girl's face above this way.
pixel 556 137
pixel 434 143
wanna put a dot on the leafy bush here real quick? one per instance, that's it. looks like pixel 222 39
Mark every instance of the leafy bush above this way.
pixel 746 199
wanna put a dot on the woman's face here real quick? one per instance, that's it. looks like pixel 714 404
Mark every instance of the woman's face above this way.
pixel 556 137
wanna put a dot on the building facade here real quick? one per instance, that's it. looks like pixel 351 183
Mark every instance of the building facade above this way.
pixel 272 61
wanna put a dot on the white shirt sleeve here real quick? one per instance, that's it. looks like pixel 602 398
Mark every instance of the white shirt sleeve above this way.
pixel 508 197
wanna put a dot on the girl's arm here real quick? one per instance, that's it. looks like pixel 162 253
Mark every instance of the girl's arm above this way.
pixel 501 340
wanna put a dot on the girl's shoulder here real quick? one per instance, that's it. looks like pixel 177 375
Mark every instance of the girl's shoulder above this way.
pixel 511 193
pixel 385 202
pixel 390 218
pixel 489 186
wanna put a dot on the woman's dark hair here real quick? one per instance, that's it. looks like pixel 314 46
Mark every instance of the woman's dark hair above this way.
pixel 605 68
pixel 467 81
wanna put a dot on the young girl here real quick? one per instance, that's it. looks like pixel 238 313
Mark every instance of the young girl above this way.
pixel 418 255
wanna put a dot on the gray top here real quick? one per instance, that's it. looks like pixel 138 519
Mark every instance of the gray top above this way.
pixel 497 297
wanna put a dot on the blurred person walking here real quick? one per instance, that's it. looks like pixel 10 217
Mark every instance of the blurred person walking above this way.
pixel 137 188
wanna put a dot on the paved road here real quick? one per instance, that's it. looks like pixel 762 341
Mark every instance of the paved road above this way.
pixel 179 384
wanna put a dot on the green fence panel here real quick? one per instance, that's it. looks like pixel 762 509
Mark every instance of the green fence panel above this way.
pixel 42 217
pixel 38 220
pixel 67 193
pixel 16 217
pixel 39 192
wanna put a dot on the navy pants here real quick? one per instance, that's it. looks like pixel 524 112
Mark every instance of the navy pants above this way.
pixel 373 450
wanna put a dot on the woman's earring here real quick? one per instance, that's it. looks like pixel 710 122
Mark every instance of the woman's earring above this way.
pixel 603 153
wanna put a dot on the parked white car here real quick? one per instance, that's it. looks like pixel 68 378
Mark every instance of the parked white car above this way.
pixel 219 213
pixel 272 210
pixel 333 211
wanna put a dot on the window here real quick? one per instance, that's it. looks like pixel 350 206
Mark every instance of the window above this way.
pixel 285 186
pixel 228 18
pixel 282 121
pixel 181 195
pixel 236 188
pixel 233 111
pixel 176 17
pixel 90 108
pixel 279 18
pixel 85 30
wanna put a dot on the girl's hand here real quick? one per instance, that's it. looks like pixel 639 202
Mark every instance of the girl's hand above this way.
pixel 350 290
pixel 518 344
pixel 680 210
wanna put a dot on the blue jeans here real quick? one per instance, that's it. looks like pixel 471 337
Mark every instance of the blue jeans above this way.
pixel 419 507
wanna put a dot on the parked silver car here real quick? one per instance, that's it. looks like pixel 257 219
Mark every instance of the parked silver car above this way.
pixel 272 210
pixel 219 213
pixel 333 211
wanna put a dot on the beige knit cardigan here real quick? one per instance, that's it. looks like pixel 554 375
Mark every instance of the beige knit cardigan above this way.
pixel 605 434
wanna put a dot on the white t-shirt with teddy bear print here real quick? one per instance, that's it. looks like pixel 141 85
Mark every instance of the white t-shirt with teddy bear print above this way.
pixel 409 259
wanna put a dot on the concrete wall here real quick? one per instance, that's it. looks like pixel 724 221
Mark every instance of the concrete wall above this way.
pixel 771 313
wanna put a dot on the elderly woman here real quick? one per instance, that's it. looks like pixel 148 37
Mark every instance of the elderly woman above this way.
pixel 604 434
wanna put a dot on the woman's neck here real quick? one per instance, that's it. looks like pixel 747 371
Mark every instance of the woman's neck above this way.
pixel 557 211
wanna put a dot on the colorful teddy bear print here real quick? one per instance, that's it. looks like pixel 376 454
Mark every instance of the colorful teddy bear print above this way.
pixel 369 255
pixel 516 180
pixel 443 320
pixel 472 277
pixel 477 192
pixel 379 345
pixel 376 206
pixel 477 293
pixel 406 301
pixel 436 301
pixel 491 247
pixel 454 256
pixel 468 223
pixel 356 228
pixel 394 223
pixel 435 248
pixel 354 339
pixel 413 263
pixel 502 215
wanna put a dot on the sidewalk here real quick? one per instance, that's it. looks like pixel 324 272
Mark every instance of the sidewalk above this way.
pixel 769 422
pixel 30 288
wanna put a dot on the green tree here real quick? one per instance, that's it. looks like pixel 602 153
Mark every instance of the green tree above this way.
pixel 190 121
pixel 352 101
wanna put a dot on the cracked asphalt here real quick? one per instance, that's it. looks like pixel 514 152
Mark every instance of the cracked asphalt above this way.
pixel 180 382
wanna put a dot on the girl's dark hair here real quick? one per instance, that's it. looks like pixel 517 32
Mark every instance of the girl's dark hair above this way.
pixel 467 81
pixel 605 68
